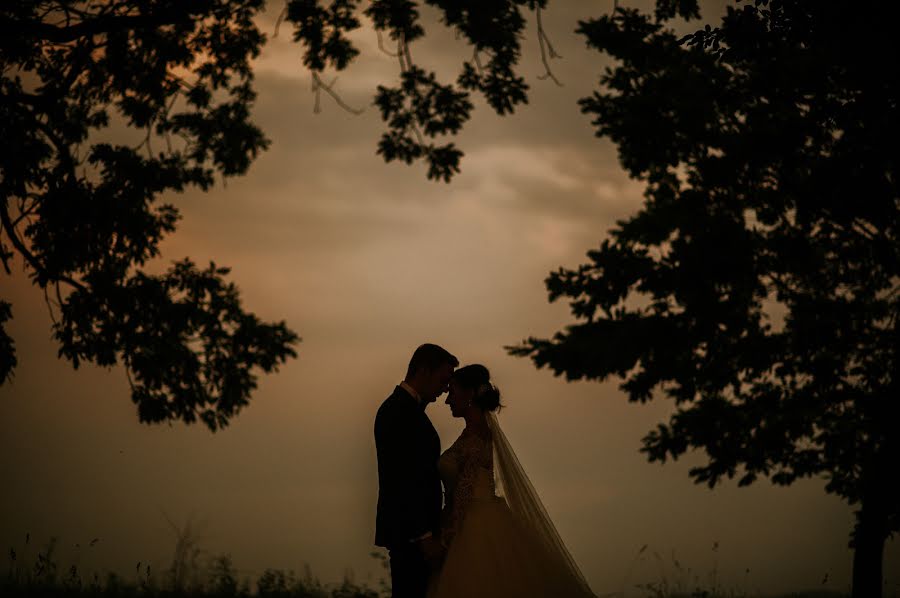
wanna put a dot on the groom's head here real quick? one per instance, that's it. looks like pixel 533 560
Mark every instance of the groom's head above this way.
pixel 430 370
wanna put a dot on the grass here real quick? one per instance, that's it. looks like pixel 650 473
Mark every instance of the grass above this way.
pixel 191 574
pixel 675 580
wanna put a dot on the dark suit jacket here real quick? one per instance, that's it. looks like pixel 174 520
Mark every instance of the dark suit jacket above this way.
pixel 409 487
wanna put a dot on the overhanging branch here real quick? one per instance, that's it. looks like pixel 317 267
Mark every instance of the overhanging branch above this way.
pixel 98 25
pixel 30 257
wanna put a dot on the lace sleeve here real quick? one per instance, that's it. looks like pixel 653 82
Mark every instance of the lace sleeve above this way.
pixel 472 453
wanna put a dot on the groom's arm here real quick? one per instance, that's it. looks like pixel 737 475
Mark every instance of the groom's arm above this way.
pixel 399 457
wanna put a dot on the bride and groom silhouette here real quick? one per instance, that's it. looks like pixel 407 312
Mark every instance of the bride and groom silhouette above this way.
pixel 464 523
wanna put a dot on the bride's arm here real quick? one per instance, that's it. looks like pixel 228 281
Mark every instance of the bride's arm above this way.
pixel 452 517
pixel 471 458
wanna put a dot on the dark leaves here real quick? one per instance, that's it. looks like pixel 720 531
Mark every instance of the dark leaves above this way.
pixel 399 17
pixel 420 107
pixel 669 9
pixel 85 214
pixel 188 345
pixel 323 31
pixel 7 345
pixel 758 284
pixel 493 29
pixel 418 110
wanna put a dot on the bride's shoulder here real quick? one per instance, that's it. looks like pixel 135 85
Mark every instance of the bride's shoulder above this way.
pixel 474 437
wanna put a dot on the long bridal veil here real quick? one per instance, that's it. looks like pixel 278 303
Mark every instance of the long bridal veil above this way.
pixel 514 486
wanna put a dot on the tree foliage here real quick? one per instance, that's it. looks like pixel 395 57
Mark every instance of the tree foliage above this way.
pixel 757 287
pixel 84 213
pixel 420 109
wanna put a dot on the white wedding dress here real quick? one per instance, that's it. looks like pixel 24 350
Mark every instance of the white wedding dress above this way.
pixel 501 542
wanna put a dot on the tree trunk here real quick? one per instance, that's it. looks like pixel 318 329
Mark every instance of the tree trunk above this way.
pixel 869 535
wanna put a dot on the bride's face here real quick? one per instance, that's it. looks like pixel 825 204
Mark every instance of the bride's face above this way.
pixel 459 399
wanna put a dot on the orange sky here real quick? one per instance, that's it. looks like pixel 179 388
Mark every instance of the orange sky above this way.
pixel 365 261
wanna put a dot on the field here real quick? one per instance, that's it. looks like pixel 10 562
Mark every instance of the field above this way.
pixel 190 574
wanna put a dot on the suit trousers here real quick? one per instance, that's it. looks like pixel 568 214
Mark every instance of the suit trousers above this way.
pixel 409 571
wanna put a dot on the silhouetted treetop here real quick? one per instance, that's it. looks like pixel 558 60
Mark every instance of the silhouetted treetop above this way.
pixel 420 109
pixel 84 214
pixel 757 287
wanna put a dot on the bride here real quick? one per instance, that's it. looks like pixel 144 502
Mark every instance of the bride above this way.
pixel 500 541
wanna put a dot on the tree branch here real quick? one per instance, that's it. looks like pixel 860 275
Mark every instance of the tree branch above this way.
pixel 50 307
pixel 477 62
pixel 29 257
pixel 403 54
pixel 318 85
pixel 281 16
pixel 11 28
pixel 4 258
pixel 62 149
pixel 546 47
pixel 381 44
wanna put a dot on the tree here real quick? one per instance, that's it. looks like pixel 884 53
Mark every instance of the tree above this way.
pixel 84 214
pixel 420 108
pixel 757 287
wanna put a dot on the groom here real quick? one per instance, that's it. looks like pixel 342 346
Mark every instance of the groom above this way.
pixel 409 487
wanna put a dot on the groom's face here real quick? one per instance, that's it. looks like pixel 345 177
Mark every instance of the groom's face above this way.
pixel 436 382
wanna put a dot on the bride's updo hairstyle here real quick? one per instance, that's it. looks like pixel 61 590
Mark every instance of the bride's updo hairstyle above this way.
pixel 477 377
